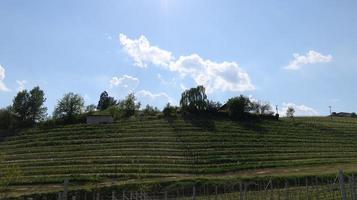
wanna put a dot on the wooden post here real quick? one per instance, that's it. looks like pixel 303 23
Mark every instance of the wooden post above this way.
pixel 307 189
pixel 342 185
pixel 286 190
pixel 113 195
pixel 165 194
pixel 65 189
pixel 194 192
pixel 241 191
pixel 353 187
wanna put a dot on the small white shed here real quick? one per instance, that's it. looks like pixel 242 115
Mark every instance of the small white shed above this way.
pixel 99 119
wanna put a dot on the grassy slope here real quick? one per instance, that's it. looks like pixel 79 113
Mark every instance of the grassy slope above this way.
pixel 155 149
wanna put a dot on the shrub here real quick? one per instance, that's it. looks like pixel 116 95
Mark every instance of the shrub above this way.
pixel 170 111
pixel 238 107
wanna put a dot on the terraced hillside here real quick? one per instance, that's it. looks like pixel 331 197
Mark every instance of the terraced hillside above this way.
pixel 158 149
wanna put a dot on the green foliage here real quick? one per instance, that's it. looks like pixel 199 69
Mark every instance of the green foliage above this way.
pixel 69 107
pixel 239 107
pixel 290 112
pixel 90 109
pixel 9 174
pixel 128 106
pixel 213 106
pixel 105 101
pixel 170 111
pixel 36 108
pixel 150 111
pixel 7 119
pixel 194 100
pixel 261 108
pixel 28 106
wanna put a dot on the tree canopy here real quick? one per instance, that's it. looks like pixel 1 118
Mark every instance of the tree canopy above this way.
pixel 28 106
pixel 238 107
pixel 194 100
pixel 105 101
pixel 69 107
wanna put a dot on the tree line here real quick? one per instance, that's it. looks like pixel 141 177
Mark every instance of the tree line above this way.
pixel 27 108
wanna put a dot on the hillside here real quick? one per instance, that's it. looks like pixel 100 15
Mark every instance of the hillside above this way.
pixel 158 149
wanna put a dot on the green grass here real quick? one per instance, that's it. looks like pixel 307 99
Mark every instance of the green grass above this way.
pixel 157 149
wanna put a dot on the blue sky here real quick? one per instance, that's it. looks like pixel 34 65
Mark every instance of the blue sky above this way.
pixel 299 53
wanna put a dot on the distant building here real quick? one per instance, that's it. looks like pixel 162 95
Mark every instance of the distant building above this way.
pixel 343 114
pixel 100 119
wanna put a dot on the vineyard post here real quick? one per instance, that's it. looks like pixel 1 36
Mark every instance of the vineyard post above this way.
pixel 65 189
pixel 286 191
pixel 241 191
pixel 342 185
pixel 353 187
pixel 113 195
pixel 194 192
pixel 307 189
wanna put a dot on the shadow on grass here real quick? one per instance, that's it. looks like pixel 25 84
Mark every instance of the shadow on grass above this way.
pixel 203 121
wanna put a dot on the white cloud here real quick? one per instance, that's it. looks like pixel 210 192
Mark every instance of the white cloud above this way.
pixel 300 110
pixel 166 82
pixel 125 81
pixel 312 57
pixel 183 87
pixel 224 76
pixel 155 96
pixel 21 84
pixel 3 87
pixel 143 53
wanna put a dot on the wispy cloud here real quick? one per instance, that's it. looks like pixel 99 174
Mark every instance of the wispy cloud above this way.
pixel 300 110
pixel 21 84
pixel 155 96
pixel 3 87
pixel 125 81
pixel 311 57
pixel 215 76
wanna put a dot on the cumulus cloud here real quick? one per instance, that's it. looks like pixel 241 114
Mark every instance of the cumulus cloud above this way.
pixel 300 110
pixel 3 87
pixel 143 53
pixel 223 76
pixel 155 96
pixel 21 84
pixel 125 81
pixel 312 57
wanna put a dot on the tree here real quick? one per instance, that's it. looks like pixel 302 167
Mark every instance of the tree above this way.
pixel 6 118
pixel 105 101
pixel 91 108
pixel 194 100
pixel 69 107
pixel 149 110
pixel 169 111
pixel 20 106
pixel 128 105
pixel 238 107
pixel 28 106
pixel 290 112
pixel 261 108
pixel 213 106
pixel 37 112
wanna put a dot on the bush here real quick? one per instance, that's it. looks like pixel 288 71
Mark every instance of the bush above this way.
pixel 238 107
pixel 150 111
pixel 7 119
pixel 170 111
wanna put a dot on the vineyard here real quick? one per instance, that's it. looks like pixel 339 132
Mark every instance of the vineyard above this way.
pixel 161 152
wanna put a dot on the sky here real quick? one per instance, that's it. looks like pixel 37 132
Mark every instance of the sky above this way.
pixel 300 53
